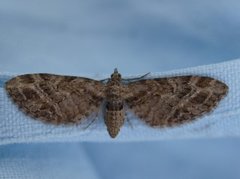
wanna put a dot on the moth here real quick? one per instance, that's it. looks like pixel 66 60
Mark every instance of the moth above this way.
pixel 159 102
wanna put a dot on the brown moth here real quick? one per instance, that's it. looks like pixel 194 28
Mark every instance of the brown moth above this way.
pixel 159 102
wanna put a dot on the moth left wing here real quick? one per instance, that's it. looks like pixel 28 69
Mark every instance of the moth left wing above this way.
pixel 174 100
pixel 55 98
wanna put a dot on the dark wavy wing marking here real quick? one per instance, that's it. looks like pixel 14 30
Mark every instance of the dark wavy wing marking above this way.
pixel 54 98
pixel 174 100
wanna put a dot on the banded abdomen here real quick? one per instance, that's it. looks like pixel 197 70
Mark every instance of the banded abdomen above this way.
pixel 114 111
pixel 114 117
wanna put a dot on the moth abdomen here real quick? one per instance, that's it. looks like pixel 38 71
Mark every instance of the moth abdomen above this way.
pixel 114 121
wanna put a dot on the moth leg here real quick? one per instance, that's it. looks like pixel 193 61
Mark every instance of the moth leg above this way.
pixel 129 122
pixel 92 121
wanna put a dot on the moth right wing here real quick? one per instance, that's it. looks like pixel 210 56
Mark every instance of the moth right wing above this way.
pixel 174 100
pixel 55 98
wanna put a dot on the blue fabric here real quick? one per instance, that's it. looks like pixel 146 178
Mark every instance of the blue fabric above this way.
pixel 88 38
pixel 34 161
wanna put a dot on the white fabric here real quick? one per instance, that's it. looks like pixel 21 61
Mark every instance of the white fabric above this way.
pixel 16 127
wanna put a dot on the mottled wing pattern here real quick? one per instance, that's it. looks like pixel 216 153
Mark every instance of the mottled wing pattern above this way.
pixel 174 100
pixel 54 98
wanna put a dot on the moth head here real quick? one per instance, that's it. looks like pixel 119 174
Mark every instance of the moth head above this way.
pixel 116 76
